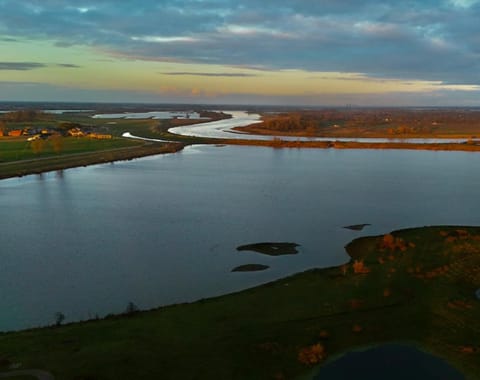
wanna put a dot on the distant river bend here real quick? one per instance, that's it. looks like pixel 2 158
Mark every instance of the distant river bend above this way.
pixel 224 129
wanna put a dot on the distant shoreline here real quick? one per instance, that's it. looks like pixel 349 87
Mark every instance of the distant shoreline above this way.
pixel 170 143
pixel 333 144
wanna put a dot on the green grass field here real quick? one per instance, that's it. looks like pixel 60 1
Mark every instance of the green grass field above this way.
pixel 416 286
pixel 20 157
pixel 20 149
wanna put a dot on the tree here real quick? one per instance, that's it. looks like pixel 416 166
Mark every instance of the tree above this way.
pixel 37 146
pixel 57 143
pixel 131 308
pixel 59 318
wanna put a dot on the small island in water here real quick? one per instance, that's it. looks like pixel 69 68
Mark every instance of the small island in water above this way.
pixel 271 249
pixel 416 286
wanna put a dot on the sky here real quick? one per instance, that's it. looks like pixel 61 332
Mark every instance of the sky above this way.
pixel 286 52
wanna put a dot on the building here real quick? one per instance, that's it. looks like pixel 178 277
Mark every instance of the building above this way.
pixel 15 133
pixel 76 132
pixel 99 136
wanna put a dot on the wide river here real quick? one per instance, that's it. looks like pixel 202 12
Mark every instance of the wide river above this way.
pixel 164 229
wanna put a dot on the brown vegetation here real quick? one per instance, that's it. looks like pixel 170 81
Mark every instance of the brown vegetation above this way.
pixel 360 268
pixel 312 354
pixel 393 123
pixel 278 143
pixel 393 243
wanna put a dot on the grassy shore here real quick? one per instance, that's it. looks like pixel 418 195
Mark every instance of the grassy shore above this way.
pixel 83 155
pixel 18 149
pixel 18 159
pixel 415 286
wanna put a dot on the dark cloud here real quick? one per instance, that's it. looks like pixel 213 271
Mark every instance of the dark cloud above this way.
pixel 21 66
pixel 25 66
pixel 46 92
pixel 415 39
pixel 211 74
pixel 69 65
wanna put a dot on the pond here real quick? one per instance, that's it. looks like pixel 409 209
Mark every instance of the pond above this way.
pixel 390 361
pixel 165 229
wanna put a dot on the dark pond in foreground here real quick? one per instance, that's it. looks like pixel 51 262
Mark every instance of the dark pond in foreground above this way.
pixel 165 229
pixel 392 362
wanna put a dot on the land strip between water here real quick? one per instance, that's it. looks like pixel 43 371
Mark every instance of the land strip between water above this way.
pixel 66 161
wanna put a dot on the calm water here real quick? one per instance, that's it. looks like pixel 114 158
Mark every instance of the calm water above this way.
pixel 390 361
pixel 165 229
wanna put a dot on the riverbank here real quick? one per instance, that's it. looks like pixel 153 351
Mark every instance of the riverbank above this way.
pixel 278 143
pixel 67 161
pixel 333 133
pixel 415 285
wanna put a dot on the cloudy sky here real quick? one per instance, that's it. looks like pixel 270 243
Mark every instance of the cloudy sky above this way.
pixel 312 52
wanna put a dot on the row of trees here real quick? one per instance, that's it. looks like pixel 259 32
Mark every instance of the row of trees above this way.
pixel 396 121
pixel 25 116
pixel 56 142
pixel 292 122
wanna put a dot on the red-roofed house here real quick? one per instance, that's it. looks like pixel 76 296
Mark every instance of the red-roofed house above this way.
pixel 15 133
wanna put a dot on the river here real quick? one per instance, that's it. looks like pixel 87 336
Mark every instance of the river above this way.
pixel 164 229
pixel 223 129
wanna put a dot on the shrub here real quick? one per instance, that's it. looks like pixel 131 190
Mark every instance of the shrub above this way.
pixel 312 354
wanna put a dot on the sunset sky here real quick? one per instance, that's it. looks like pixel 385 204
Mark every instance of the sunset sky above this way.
pixel 322 52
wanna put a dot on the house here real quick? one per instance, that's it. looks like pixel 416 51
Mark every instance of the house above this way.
pixel 15 133
pixel 99 136
pixel 76 132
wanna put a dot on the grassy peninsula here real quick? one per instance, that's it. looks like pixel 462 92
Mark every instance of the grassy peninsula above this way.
pixel 416 286
pixel 71 158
